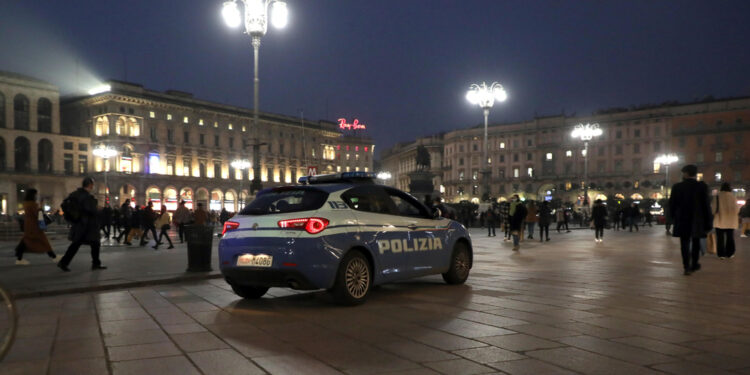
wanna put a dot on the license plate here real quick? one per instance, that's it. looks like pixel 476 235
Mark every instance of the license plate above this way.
pixel 250 260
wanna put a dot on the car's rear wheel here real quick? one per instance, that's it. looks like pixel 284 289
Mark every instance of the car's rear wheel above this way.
pixel 460 265
pixel 353 279
pixel 248 291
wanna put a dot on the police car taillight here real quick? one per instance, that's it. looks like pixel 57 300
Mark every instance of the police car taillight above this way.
pixel 229 225
pixel 312 225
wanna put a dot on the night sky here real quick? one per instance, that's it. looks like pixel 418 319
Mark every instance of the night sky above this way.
pixel 401 67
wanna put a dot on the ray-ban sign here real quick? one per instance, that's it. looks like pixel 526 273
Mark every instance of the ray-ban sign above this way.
pixel 353 126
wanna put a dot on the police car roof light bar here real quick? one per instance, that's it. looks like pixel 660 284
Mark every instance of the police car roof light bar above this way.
pixel 338 177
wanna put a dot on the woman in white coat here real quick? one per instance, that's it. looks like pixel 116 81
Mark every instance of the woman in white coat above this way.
pixel 726 213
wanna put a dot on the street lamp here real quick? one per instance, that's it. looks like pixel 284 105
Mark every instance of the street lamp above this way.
pixel 586 132
pixel 485 97
pixel 666 160
pixel 241 164
pixel 105 153
pixel 256 25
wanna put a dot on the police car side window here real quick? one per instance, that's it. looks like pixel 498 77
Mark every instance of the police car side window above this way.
pixel 368 199
pixel 406 205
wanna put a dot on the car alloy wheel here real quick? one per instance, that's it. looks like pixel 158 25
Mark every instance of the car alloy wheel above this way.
pixel 357 277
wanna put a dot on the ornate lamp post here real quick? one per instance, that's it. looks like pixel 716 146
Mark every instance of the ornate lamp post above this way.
pixel 666 160
pixel 256 25
pixel 105 153
pixel 241 164
pixel 586 132
pixel 484 96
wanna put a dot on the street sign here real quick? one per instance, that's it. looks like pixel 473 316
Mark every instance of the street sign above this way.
pixel 312 170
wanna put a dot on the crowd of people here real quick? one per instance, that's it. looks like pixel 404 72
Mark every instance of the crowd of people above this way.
pixel 90 224
pixel 691 214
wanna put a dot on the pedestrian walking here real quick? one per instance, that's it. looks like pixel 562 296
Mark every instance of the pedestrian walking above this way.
pixel 745 220
pixel 634 216
pixel 80 208
pixel 531 218
pixel 725 210
pixel 148 224
pixel 200 216
pixel 116 222
pixel 34 240
pixel 648 217
pixel 223 216
pixel 162 222
pixel 126 217
pixel 615 218
pixel 545 218
pixel 106 220
pixel 182 217
pixel 489 219
pixel 505 217
pixel 136 230
pixel 518 213
pixel 599 218
pixel 691 216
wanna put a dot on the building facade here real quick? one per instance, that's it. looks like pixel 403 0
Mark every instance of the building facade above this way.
pixel 34 153
pixel 538 159
pixel 169 146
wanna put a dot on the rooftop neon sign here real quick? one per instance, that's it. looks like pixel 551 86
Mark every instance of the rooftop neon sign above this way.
pixel 353 126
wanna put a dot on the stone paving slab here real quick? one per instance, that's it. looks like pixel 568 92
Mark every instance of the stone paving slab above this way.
pixel 569 306
pixel 128 267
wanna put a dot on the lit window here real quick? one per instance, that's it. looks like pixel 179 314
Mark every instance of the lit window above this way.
pixel 366 149
pixel 356 156
pixel 568 185
pixel 568 153
pixel 338 147
pixel 700 177
pixel 216 124
pixel 366 169
pixel 347 168
pixel 229 126
pixel 347 157
pixel 717 176
pixel 152 114
pixel 516 173
pixel 583 152
pixel 719 157
pixel 549 156
pixel 243 128
pixel 200 122
pixel 185 120
pixel 347 147
pixel 338 168
pixel 657 167
pixel 356 169
pixel 169 116
pixel 530 172
pixel 502 144
pixel 356 148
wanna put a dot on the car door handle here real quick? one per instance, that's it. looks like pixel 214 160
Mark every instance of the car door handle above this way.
pixel 412 226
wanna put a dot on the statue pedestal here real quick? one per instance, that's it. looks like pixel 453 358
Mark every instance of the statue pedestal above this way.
pixel 421 185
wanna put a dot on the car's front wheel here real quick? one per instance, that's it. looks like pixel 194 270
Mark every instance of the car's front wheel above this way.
pixel 353 279
pixel 460 265
pixel 248 291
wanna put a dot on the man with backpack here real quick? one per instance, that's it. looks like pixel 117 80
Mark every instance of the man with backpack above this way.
pixel 80 210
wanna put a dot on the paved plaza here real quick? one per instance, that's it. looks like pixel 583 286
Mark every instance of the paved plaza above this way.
pixel 568 306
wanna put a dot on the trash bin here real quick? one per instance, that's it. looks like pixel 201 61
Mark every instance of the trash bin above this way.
pixel 200 241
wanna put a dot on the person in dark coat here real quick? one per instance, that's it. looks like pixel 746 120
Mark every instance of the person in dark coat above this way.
pixel 690 210
pixel 126 216
pixel 34 240
pixel 148 222
pixel 517 216
pixel 599 216
pixel 545 218
pixel 223 216
pixel 106 221
pixel 489 219
pixel 634 216
pixel 86 229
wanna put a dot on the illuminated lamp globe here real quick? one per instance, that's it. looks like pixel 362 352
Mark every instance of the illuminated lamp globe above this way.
pixel 231 14
pixel 279 14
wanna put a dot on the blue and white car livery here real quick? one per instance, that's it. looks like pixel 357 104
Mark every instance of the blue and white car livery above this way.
pixel 339 232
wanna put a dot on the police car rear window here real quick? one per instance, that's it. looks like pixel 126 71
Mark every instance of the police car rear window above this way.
pixel 284 200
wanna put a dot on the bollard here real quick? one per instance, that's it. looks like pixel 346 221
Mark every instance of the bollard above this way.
pixel 200 241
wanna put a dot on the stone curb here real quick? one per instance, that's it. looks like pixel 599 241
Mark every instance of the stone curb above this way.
pixel 123 285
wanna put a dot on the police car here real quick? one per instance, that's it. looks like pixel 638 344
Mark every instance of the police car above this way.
pixel 340 232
